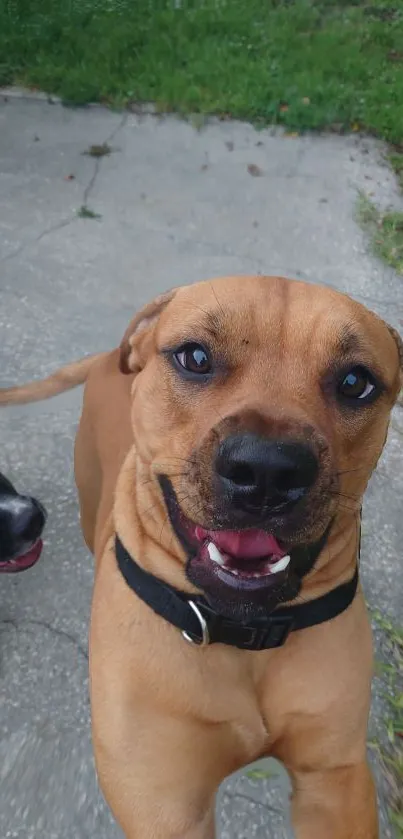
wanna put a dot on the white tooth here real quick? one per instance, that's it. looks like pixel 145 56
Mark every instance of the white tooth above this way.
pixel 280 565
pixel 214 553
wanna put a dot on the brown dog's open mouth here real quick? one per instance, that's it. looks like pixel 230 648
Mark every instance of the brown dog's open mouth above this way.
pixel 24 561
pixel 249 561
pixel 242 573
pixel 244 559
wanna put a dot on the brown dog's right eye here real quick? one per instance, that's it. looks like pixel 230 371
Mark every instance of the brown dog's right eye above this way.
pixel 358 386
pixel 194 359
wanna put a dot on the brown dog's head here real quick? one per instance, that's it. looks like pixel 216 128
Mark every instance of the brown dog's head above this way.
pixel 260 408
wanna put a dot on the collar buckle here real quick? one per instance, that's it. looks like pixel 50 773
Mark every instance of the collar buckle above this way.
pixel 273 634
pixel 204 640
pixel 214 628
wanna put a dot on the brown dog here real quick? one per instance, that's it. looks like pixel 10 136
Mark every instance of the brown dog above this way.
pixel 231 460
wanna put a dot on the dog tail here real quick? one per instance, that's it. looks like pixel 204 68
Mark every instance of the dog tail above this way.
pixel 65 378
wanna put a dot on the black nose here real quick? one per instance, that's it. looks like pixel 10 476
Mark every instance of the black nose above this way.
pixel 262 475
pixel 29 519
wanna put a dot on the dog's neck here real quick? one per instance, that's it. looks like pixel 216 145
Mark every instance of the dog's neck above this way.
pixel 141 521
pixel 338 559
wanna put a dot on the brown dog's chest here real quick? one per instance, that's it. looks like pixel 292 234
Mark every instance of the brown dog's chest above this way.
pixel 252 696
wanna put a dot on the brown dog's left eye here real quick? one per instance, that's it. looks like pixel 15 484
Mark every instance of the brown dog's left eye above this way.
pixel 194 359
pixel 357 384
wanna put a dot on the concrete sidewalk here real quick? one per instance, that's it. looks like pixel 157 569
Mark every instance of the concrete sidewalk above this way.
pixel 175 204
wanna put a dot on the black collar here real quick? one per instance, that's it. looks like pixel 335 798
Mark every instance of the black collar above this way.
pixel 200 625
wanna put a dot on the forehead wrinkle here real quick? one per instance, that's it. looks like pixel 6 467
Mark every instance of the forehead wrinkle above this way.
pixel 215 322
pixel 327 328
pixel 296 329
pixel 348 342
pixel 349 345
pixel 208 321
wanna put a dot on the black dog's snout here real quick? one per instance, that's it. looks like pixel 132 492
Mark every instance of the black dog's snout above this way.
pixel 22 520
pixel 28 519
pixel 33 521
pixel 259 474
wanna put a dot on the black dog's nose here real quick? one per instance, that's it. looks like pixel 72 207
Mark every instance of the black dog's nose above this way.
pixel 29 519
pixel 262 475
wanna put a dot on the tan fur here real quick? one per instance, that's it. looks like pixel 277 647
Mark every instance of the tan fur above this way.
pixel 171 721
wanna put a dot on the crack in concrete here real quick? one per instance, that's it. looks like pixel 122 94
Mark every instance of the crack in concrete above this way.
pixel 54 227
pixel 232 796
pixel 54 630
pixel 13 254
pixel 91 182
pixel 86 193
pixel 97 165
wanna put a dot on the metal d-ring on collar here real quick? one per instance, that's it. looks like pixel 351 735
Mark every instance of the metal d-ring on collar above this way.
pixel 205 635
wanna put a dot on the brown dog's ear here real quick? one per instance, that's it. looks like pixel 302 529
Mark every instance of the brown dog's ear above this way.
pixel 396 337
pixel 130 361
pixel 399 343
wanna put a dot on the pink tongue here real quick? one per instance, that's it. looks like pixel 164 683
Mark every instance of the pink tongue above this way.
pixel 246 544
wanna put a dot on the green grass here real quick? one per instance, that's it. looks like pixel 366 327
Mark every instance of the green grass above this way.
pixel 390 672
pixel 307 65
pixel 385 231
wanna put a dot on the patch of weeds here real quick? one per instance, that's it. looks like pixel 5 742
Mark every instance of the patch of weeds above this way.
pixel 86 212
pixel 390 671
pixel 198 121
pixel 396 162
pixel 385 230
pixel 99 150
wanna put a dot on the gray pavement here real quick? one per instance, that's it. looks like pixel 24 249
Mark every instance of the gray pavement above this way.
pixel 176 204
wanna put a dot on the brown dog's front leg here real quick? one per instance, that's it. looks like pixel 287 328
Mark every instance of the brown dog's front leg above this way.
pixel 157 773
pixel 146 805
pixel 335 804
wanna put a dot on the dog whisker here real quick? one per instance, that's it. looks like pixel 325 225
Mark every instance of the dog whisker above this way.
pixel 165 521
pixel 181 459
pixel 200 309
pixel 350 471
pixel 180 498
pixel 221 308
pixel 346 508
pixel 152 480
pixel 345 495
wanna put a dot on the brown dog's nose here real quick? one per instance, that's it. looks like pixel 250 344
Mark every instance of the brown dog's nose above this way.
pixel 258 475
